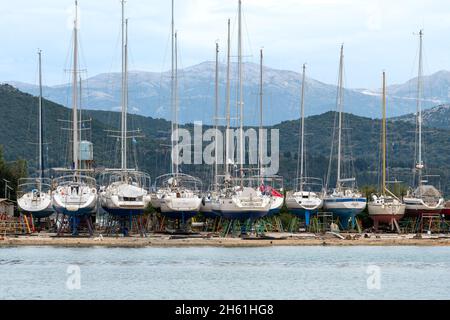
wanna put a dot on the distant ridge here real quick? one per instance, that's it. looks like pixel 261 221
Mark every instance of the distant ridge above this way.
pixel 436 117
pixel 150 92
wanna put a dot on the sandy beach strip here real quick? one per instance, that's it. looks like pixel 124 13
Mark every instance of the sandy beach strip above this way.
pixel 208 240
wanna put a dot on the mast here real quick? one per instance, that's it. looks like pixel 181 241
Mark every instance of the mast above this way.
pixel 241 103
pixel 176 96
pixel 40 122
pixel 125 124
pixel 80 106
pixel 419 165
pixel 124 95
pixel 75 90
pixel 216 117
pixel 260 110
pixel 173 89
pixel 80 118
pixel 300 159
pixel 383 143
pixel 227 138
pixel 340 98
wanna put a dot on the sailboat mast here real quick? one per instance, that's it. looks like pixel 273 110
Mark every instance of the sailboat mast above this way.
pixel 419 165
pixel 124 102
pixel 176 97
pixel 227 138
pixel 173 91
pixel 241 103
pixel 125 126
pixel 80 107
pixel 340 98
pixel 172 84
pixel 383 182
pixel 40 124
pixel 261 57
pixel 302 132
pixel 216 118
pixel 75 89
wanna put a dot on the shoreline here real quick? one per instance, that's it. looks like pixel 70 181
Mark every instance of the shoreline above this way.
pixel 205 240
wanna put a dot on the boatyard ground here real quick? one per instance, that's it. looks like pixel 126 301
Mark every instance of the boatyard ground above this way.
pixel 210 240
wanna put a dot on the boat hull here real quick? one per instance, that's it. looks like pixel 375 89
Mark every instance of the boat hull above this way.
pixel 303 208
pixel 412 212
pixel 39 214
pixel 207 211
pixel 416 209
pixel 230 210
pixel 74 208
pixel 446 210
pixel 80 212
pixel 304 214
pixel 124 211
pixel 156 201
pixel 40 208
pixel 346 209
pixel 179 215
pixel 275 207
pixel 227 209
pixel 135 205
pixel 180 208
pixel 386 214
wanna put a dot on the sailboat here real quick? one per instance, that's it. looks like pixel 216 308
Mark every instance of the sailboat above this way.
pixel 344 201
pixel 34 194
pixel 425 199
pixel 387 207
pixel 125 193
pixel 178 193
pixel 240 198
pixel 75 194
pixel 305 199
pixel 269 184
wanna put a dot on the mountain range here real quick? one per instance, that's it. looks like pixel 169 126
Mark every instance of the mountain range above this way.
pixel 149 94
pixel 150 152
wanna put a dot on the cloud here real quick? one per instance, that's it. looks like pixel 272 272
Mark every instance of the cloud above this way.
pixel 377 33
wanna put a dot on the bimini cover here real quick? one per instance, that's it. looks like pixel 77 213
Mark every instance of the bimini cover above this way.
pixel 428 194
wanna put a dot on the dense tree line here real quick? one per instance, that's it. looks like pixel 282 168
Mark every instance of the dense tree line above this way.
pixel 12 172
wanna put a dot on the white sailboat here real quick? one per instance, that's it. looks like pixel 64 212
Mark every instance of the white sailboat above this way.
pixel 386 207
pixel 240 198
pixel 125 190
pixel 34 194
pixel 306 198
pixel 75 194
pixel 178 194
pixel 344 201
pixel 426 198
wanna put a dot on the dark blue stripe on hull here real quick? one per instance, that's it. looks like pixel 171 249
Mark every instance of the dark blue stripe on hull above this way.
pixel 124 212
pixel 79 213
pixel 273 212
pixel 345 215
pixel 180 215
pixel 209 214
pixel 346 200
pixel 243 215
pixel 304 214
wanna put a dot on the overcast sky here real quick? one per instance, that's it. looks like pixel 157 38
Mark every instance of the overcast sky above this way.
pixel 378 34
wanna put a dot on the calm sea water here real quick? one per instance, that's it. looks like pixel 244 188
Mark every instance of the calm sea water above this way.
pixel 222 273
